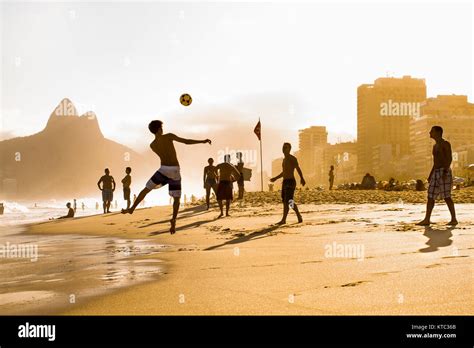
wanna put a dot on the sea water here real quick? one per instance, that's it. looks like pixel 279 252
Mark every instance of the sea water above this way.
pixel 44 274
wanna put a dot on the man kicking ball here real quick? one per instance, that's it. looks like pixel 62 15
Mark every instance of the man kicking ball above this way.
pixel 169 172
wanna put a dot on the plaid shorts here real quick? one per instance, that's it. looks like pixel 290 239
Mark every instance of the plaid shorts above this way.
pixel 438 187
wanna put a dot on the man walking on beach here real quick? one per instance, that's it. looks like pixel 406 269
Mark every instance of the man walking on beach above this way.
pixel 227 174
pixel 210 179
pixel 126 182
pixel 169 172
pixel 440 178
pixel 290 163
pixel 108 188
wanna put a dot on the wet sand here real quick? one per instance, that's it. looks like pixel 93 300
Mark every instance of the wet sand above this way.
pixel 343 259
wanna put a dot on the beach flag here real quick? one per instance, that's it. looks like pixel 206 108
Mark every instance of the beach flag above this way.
pixel 258 130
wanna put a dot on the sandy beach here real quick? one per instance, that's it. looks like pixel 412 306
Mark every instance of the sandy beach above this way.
pixel 344 259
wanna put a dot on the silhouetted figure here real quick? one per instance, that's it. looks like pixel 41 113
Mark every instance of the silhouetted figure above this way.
pixel 240 181
pixel 368 182
pixel 331 177
pixel 227 174
pixel 75 205
pixel 134 198
pixel 96 205
pixel 440 178
pixel 70 212
pixel 420 186
pixel 169 172
pixel 210 180
pixel 83 206
pixel 108 188
pixel 126 182
pixel 290 163
pixel 2 208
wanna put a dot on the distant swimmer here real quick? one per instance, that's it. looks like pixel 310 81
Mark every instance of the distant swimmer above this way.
pixel 169 172
pixel 126 182
pixel 441 177
pixel 75 205
pixel 108 188
pixel 227 175
pixel 290 163
pixel 210 179
pixel 70 212
pixel 83 206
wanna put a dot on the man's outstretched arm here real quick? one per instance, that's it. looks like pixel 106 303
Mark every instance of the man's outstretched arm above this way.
pixel 174 137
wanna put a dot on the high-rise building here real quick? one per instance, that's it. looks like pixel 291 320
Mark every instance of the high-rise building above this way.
pixel 312 141
pixel 455 115
pixel 384 110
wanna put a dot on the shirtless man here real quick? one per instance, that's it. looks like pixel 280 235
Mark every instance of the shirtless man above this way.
pixel 126 182
pixel 169 172
pixel 227 174
pixel 440 178
pixel 290 163
pixel 210 179
pixel 108 188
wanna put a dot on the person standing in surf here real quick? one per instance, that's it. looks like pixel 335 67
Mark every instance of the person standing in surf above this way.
pixel 169 172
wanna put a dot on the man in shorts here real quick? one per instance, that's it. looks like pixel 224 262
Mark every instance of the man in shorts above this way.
pixel 126 182
pixel 210 179
pixel 290 163
pixel 227 175
pixel 108 188
pixel 441 177
pixel 169 172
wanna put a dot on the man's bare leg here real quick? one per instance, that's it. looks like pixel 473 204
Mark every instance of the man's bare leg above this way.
pixel 104 205
pixel 208 195
pixel 286 209
pixel 108 206
pixel 128 204
pixel 429 208
pixel 175 214
pixel 140 198
pixel 450 204
pixel 295 208
pixel 221 207
pixel 227 206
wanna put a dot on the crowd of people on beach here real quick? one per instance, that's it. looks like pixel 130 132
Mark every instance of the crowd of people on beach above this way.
pixel 220 179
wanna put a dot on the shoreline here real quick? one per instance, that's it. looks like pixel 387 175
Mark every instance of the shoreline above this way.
pixel 242 265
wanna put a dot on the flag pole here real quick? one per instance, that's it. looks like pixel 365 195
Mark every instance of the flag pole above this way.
pixel 261 160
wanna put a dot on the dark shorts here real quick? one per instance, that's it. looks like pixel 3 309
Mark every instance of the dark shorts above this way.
pixel 158 180
pixel 288 189
pixel 107 195
pixel 126 193
pixel 225 190
pixel 210 183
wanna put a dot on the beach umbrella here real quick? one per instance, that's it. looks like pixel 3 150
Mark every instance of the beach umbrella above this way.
pixel 470 167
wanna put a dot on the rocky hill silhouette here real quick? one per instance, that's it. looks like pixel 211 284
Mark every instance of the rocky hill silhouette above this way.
pixel 65 159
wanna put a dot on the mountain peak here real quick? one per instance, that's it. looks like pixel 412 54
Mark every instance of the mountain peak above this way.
pixel 65 108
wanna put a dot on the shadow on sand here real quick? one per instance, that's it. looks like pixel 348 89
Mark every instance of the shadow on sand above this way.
pixel 437 238
pixel 262 233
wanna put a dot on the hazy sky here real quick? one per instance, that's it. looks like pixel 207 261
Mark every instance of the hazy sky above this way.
pixel 293 65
